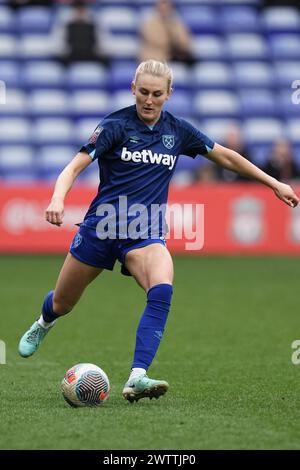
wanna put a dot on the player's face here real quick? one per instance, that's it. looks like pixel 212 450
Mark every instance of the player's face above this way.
pixel 151 93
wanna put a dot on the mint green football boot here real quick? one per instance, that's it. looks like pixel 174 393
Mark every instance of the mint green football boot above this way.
pixel 31 340
pixel 143 387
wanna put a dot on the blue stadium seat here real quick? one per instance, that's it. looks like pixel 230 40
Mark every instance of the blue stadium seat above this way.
pixel 84 129
pixel 35 46
pixel 42 74
pixel 16 156
pixel 218 103
pixel 182 76
pixel 248 61
pixel 182 178
pixel 52 159
pixel 121 74
pixel 86 75
pixel 118 20
pixel 34 19
pixel 15 130
pixel 208 47
pixel 239 18
pixel 16 103
pixel 17 163
pixel 253 74
pixel 286 105
pixel 285 46
pixel 121 99
pixel 89 103
pixel 90 175
pixel 120 46
pixel 180 2
pixel 7 20
pixel 292 130
pixel 8 46
pixel 62 15
pixel 285 72
pixel 20 178
pixel 212 75
pixel 282 19
pixel 248 46
pixel 218 128
pixel 58 131
pixel 238 2
pixel 258 102
pixel 48 103
pixel 262 130
pixel 181 104
pixel 200 19
pixel 10 73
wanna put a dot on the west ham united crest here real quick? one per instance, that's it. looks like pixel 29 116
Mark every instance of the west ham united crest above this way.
pixel 76 240
pixel 168 141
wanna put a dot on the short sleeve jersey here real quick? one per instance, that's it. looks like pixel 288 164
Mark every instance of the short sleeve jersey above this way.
pixel 136 164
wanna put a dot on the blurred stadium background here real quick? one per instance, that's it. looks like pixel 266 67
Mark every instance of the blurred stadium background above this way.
pixel 240 313
pixel 247 60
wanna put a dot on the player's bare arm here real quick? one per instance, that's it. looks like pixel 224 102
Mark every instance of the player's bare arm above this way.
pixel 234 161
pixel 55 211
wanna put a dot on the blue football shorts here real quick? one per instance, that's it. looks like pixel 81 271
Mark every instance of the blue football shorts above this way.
pixel 91 250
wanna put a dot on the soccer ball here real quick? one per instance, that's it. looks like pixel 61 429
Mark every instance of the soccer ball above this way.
pixel 85 385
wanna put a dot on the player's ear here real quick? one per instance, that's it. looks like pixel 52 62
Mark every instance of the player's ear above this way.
pixel 170 93
pixel 133 88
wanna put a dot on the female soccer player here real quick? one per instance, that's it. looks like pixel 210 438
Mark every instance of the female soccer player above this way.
pixel 137 149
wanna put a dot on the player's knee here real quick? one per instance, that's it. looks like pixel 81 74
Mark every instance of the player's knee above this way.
pixel 61 306
pixel 161 293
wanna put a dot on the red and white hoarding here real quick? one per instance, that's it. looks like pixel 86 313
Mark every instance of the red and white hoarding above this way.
pixel 209 219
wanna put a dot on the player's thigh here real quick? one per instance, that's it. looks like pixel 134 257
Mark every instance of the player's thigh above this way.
pixel 73 278
pixel 150 265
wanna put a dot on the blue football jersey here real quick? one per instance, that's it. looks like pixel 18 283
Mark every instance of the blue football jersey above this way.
pixel 136 164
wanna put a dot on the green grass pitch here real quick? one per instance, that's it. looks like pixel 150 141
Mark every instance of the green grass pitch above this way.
pixel 226 354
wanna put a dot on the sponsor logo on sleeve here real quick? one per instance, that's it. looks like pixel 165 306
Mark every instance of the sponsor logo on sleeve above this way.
pixel 95 135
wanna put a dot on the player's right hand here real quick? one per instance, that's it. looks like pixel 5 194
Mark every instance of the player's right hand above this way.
pixel 55 212
pixel 286 194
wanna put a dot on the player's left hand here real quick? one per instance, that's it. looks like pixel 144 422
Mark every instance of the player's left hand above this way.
pixel 286 194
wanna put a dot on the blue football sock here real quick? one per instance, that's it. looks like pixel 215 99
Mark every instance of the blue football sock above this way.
pixel 151 327
pixel 47 309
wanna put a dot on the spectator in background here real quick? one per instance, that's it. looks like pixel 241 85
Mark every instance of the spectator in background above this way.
pixel 234 141
pixel 80 38
pixel 164 37
pixel 281 162
pixel 206 174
